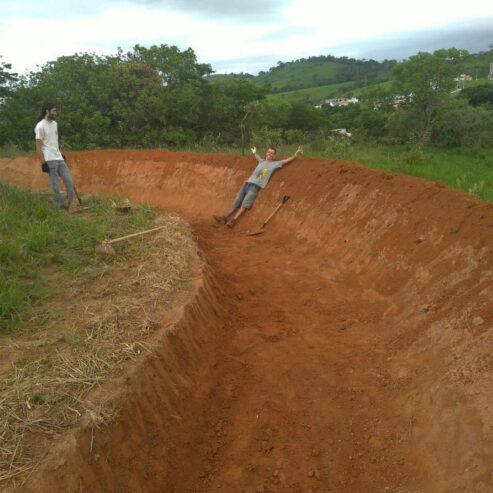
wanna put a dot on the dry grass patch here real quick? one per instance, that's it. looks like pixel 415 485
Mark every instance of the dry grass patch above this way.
pixel 106 316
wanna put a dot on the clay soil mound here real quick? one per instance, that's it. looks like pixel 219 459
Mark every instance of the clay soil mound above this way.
pixel 348 349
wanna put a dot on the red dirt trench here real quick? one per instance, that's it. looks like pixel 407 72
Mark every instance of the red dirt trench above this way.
pixel 348 349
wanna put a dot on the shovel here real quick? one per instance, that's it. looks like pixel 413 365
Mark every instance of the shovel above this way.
pixel 105 247
pixel 261 229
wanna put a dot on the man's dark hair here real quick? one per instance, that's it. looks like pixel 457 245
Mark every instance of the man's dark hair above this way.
pixel 273 148
pixel 46 107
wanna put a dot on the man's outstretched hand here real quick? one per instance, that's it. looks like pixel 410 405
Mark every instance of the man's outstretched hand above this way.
pixel 299 151
pixel 254 150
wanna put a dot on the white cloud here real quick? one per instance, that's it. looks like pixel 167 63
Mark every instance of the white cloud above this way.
pixel 303 28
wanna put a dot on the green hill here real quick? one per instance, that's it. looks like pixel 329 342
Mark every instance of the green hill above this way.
pixel 317 78
pixel 300 75
pixel 322 71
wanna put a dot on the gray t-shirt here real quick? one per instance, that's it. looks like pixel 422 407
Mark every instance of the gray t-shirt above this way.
pixel 262 173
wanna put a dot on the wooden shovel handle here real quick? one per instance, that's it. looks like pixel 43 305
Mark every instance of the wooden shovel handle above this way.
pixel 134 234
pixel 77 195
pixel 75 188
pixel 284 200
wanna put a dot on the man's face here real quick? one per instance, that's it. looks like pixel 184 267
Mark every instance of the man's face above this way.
pixel 270 155
pixel 51 114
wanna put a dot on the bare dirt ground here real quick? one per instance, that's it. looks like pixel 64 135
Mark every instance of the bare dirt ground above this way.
pixel 348 349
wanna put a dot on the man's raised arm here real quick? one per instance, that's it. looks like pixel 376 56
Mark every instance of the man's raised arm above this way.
pixel 294 156
pixel 254 152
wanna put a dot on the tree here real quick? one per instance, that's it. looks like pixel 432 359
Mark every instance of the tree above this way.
pixel 227 109
pixel 462 125
pixel 6 78
pixel 428 79
pixel 305 117
pixel 479 95
pixel 183 79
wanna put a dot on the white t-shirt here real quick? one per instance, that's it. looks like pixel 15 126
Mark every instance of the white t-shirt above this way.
pixel 47 131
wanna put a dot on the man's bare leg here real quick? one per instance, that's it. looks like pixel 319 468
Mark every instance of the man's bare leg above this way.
pixel 238 214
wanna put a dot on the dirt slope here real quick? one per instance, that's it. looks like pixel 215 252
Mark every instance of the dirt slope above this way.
pixel 349 349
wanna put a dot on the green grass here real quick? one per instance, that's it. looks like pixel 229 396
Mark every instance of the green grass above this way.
pixel 39 241
pixel 7 151
pixel 363 91
pixel 475 83
pixel 463 169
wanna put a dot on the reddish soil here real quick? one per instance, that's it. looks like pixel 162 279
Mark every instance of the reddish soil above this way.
pixel 348 349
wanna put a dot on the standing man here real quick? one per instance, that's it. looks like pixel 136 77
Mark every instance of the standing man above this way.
pixel 258 180
pixel 47 149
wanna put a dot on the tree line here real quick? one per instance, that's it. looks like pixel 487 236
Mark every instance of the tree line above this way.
pixel 159 96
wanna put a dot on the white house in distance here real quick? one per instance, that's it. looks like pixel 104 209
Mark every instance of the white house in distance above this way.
pixel 341 131
pixel 341 101
pixel 463 77
pixel 394 101
pixel 460 82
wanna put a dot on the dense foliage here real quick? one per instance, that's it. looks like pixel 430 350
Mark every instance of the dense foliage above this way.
pixel 160 96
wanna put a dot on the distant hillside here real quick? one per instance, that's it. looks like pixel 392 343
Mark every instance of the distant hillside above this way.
pixel 324 70
pixel 317 78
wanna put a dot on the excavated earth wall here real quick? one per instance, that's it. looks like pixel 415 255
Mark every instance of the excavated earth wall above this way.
pixel 348 349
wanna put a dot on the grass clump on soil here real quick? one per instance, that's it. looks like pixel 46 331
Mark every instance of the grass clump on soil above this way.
pixel 91 313
pixel 35 237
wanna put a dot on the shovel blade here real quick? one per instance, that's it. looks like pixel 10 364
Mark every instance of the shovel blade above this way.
pixel 254 233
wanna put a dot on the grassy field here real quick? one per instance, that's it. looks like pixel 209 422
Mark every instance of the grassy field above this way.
pixel 35 237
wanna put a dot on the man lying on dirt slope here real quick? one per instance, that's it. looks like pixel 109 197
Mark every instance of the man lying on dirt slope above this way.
pixel 259 179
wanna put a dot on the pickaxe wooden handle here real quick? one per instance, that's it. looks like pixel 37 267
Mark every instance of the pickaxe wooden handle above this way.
pixel 133 234
pixel 75 188
pixel 283 201
pixel 261 229
pixel 77 195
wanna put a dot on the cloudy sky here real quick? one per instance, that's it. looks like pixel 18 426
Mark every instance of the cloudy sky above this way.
pixel 241 35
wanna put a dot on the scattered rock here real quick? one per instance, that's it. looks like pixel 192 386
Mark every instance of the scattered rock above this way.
pixel 124 206
pixel 477 321
pixel 427 308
